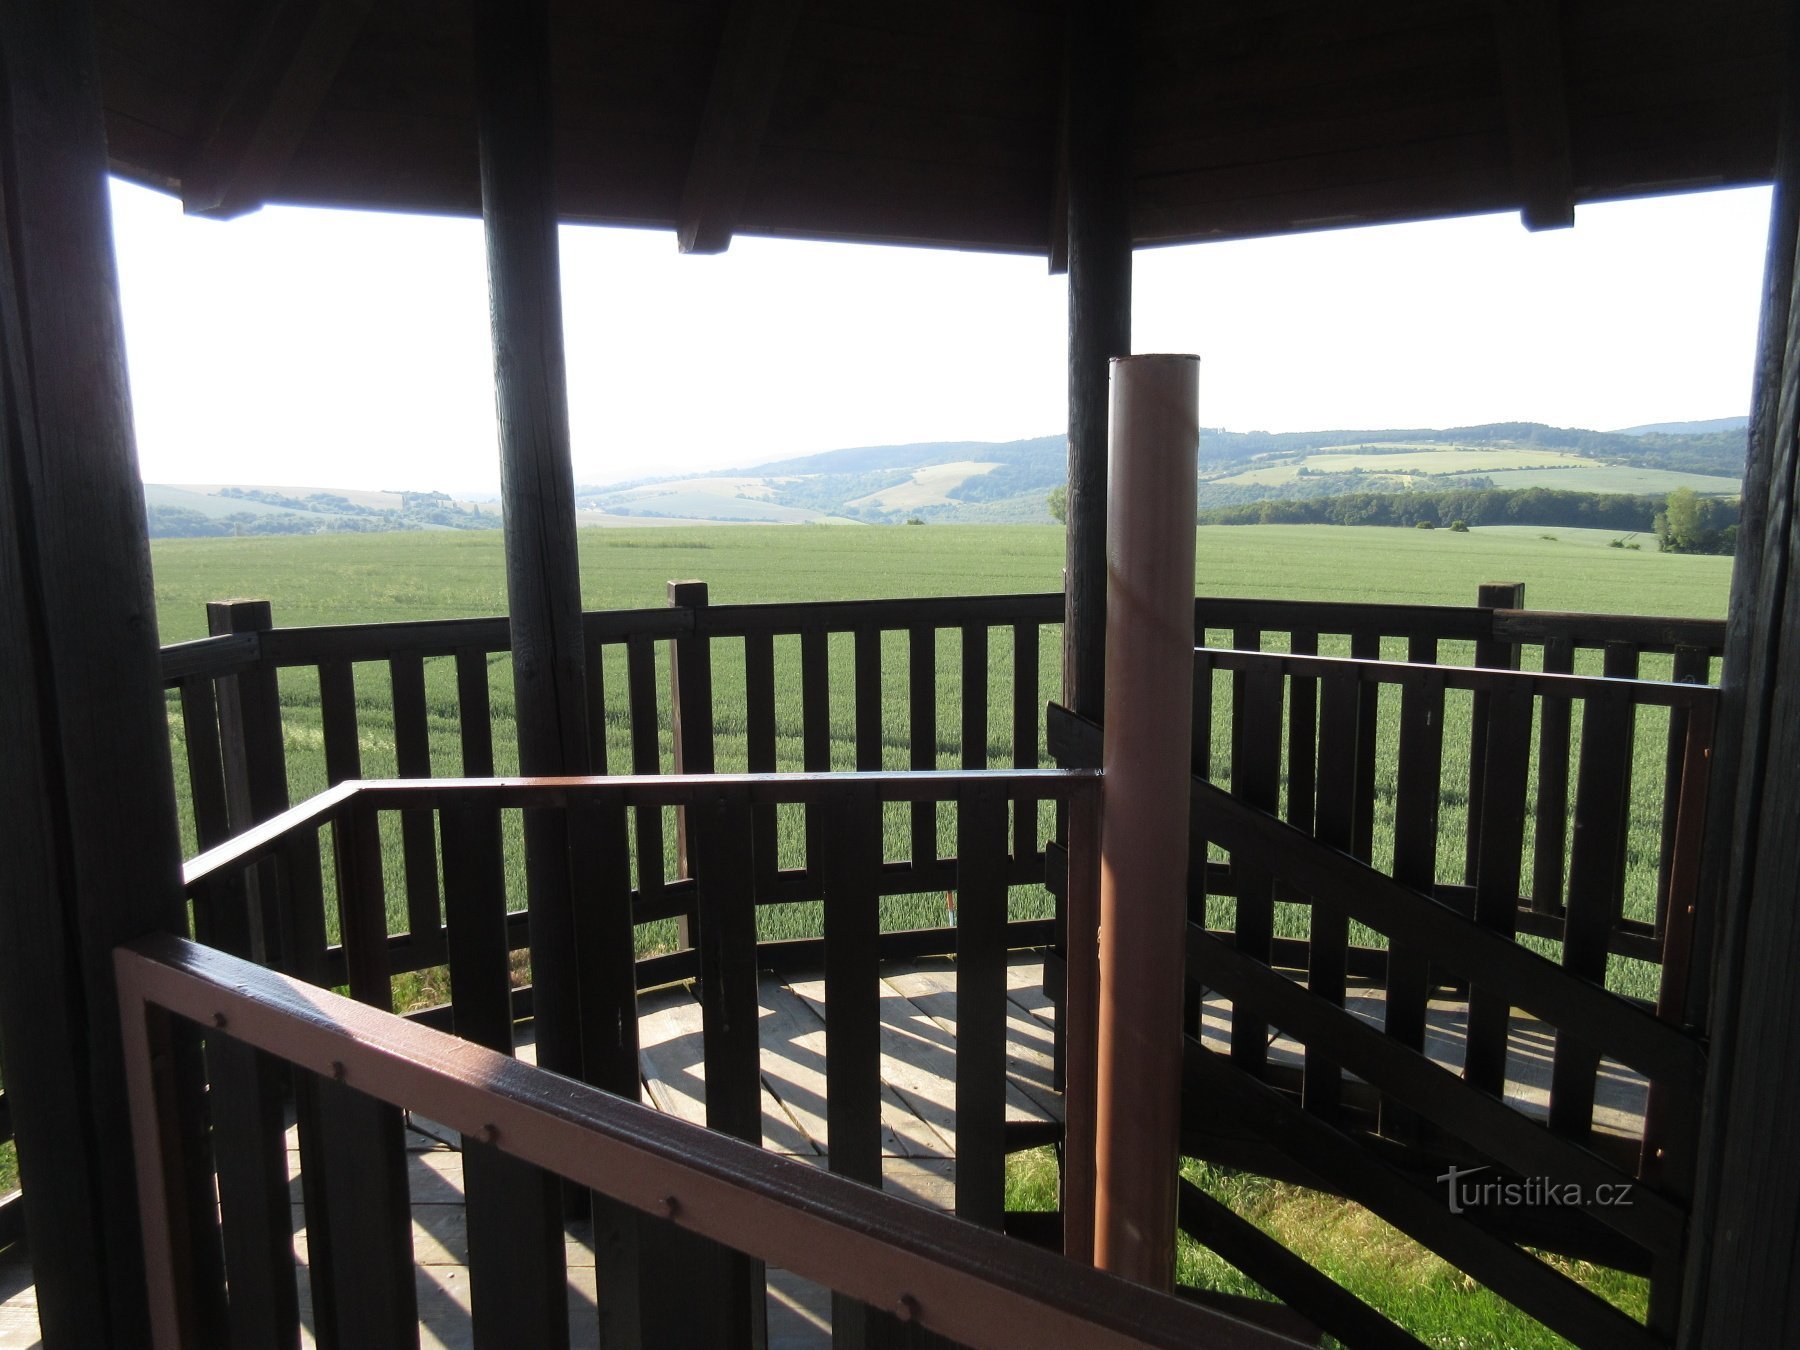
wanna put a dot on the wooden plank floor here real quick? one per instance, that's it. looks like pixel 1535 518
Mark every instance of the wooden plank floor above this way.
pixel 918 1049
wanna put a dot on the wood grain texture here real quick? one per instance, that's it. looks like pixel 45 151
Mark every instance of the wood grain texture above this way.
pixel 1741 1280
pixel 537 486
pixel 752 55
pixel 268 102
pixel 1097 178
pixel 91 851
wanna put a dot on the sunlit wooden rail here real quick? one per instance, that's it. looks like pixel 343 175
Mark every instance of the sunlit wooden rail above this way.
pixel 914 1266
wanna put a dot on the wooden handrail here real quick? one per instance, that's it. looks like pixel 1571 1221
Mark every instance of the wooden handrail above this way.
pixel 1655 693
pixel 942 1274
pixel 311 645
pixel 771 789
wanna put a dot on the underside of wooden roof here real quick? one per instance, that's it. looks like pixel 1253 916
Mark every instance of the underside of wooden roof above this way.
pixel 939 121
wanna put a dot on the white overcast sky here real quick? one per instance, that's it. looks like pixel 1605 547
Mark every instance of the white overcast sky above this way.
pixel 343 349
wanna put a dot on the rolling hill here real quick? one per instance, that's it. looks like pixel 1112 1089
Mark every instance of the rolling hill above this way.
pixel 974 481
pixel 1006 482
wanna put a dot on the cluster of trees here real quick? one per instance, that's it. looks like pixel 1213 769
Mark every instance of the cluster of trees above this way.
pixel 1690 523
pixel 1475 506
pixel 321 513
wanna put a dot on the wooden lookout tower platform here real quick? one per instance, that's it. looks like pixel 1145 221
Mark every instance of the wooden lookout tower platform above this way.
pixel 1353 896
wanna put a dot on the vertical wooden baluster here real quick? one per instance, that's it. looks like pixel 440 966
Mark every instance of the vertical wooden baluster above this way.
pixel 691 714
pixel 1497 654
pixel 601 859
pixel 1671 1117
pixel 1256 778
pixel 517 1282
pixel 1327 951
pixel 718 1300
pixel 759 734
pixel 1203 712
pixel 206 770
pixel 646 758
pixel 1417 790
pixel 1692 665
pixel 852 854
pixel 981 1006
pixel 1501 837
pixel 306 957
pixel 362 1152
pixel 815 737
pixel 1303 735
pixel 412 755
pixel 921 699
pixel 1365 647
pixel 253 750
pixel 1621 662
pixel 186 1283
pixel 1243 640
pixel 475 718
pixel 974 696
pixel 337 711
pixel 1602 794
pixel 1026 715
pixel 246 1104
pixel 1080 1015
pixel 866 688
pixel 1194 996
pixel 593 669
pixel 1551 824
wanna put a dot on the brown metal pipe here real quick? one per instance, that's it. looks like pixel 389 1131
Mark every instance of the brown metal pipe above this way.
pixel 1144 823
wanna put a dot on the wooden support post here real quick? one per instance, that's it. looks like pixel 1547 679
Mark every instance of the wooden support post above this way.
pixel 254 756
pixel 268 102
pixel 1099 255
pixel 752 53
pixel 1528 35
pixel 543 580
pixel 90 855
pixel 1742 1281
pixel 690 722
pixel 1144 827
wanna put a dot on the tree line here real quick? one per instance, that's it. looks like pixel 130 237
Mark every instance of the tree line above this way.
pixel 1683 521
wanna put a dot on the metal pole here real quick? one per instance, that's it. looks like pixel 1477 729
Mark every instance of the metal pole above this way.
pixel 1144 824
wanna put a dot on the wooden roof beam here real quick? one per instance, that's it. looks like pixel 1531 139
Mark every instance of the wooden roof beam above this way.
pixel 1537 110
pixel 752 55
pixel 269 102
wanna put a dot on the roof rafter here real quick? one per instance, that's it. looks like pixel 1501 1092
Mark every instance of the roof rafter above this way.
pixel 269 102
pixel 752 55
pixel 1537 110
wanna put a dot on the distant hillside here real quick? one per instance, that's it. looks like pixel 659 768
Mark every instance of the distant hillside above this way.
pixel 1009 481
pixel 967 481
pixel 1688 428
pixel 216 510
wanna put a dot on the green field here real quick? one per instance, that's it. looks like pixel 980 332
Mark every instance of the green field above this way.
pixel 385 577
pixel 1616 478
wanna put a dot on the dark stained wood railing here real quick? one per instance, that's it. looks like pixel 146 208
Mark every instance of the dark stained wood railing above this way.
pixel 349 1145
pixel 943 1275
